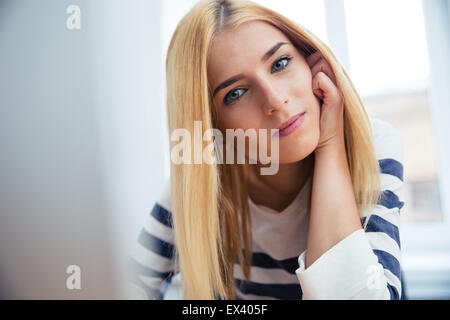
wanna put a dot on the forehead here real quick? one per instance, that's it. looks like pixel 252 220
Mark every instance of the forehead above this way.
pixel 235 48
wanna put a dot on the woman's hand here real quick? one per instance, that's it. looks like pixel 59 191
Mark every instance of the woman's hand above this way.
pixel 332 107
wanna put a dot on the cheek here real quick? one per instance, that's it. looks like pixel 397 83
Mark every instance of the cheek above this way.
pixel 300 85
pixel 239 117
pixel 300 91
pixel 302 143
pixel 299 148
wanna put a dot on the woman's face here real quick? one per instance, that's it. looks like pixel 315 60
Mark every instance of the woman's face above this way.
pixel 272 83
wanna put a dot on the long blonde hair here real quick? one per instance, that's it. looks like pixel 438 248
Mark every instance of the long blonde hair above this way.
pixel 209 201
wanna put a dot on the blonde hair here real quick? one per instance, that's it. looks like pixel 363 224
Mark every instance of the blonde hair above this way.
pixel 209 201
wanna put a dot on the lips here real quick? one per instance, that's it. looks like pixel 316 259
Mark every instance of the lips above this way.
pixel 291 125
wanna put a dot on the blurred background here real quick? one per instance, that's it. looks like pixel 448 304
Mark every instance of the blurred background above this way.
pixel 83 136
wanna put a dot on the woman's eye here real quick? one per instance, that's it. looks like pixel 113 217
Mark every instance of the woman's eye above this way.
pixel 234 95
pixel 280 64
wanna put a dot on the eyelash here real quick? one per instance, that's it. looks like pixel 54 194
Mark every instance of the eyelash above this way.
pixel 287 58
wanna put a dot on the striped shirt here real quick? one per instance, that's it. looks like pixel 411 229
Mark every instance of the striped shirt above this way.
pixel 364 265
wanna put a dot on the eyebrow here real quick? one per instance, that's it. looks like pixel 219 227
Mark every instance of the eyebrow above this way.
pixel 235 78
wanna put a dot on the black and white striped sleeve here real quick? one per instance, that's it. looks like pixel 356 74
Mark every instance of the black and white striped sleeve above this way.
pixel 151 261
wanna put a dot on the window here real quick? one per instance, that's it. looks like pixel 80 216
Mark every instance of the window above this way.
pixel 395 90
pixel 383 45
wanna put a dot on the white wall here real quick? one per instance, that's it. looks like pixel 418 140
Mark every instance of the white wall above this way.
pixel 52 204
pixel 128 67
pixel 129 50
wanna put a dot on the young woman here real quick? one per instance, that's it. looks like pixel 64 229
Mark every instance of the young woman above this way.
pixel 325 225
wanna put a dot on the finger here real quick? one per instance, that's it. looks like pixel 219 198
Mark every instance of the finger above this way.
pixel 331 93
pixel 323 66
pixel 313 58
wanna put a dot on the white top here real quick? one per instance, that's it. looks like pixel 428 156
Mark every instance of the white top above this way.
pixel 364 265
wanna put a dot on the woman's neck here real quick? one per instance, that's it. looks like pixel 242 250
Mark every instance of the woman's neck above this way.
pixel 279 190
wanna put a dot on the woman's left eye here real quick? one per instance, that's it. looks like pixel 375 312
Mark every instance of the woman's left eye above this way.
pixel 280 64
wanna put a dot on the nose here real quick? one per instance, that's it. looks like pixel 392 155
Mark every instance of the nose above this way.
pixel 273 99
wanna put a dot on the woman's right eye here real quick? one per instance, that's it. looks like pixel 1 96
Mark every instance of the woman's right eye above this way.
pixel 233 95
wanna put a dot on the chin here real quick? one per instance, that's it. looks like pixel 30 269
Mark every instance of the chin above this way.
pixel 294 149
